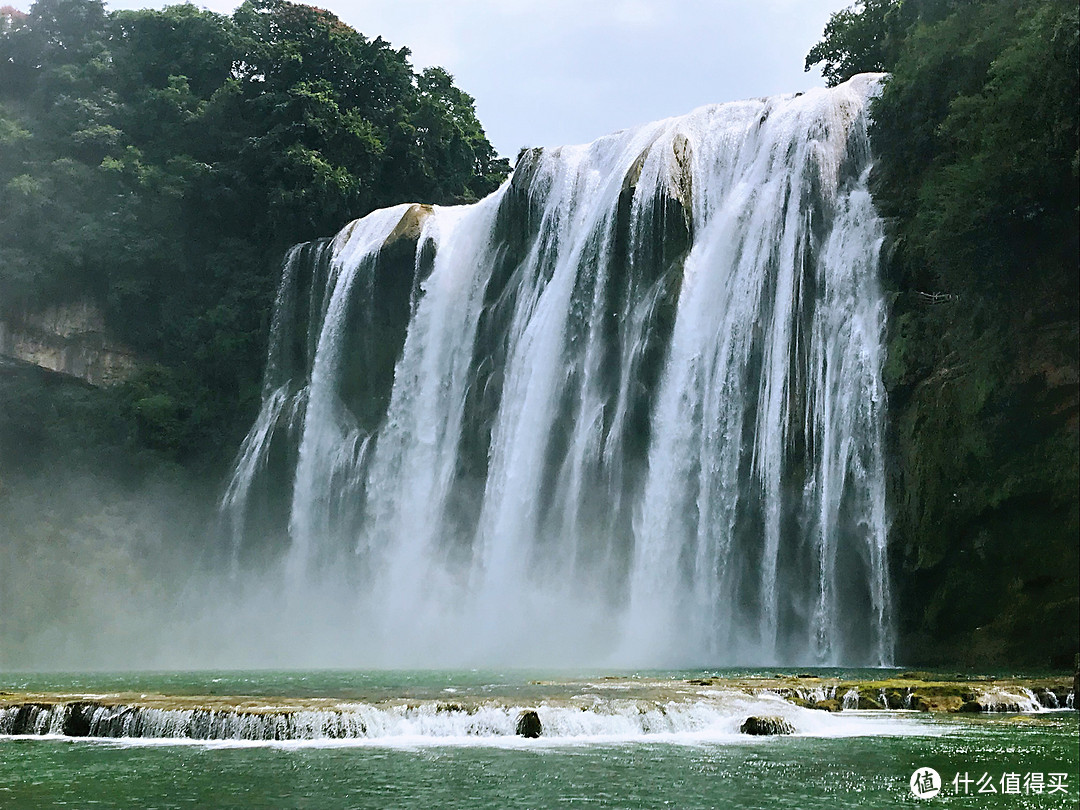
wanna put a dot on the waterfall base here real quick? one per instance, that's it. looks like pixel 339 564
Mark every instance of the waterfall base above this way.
pixel 610 707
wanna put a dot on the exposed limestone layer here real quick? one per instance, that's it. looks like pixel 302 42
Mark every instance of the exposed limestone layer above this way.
pixel 70 339
pixel 412 223
pixel 677 182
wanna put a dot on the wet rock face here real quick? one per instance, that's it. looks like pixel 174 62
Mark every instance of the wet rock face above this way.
pixel 528 725
pixel 761 726
pixel 78 723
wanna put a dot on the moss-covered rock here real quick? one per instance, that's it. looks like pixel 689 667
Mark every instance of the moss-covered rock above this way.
pixel 983 428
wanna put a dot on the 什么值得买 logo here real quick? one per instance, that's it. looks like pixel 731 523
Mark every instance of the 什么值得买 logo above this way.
pixel 925 783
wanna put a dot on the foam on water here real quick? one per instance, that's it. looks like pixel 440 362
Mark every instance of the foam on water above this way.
pixel 715 719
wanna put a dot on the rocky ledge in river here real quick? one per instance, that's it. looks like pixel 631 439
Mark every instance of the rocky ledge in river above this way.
pixel 918 691
pixel 650 703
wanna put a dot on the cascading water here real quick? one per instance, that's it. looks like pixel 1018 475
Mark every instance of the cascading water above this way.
pixel 626 409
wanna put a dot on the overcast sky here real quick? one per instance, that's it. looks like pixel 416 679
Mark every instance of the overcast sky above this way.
pixel 549 72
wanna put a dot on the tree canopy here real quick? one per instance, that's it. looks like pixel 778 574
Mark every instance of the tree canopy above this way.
pixel 160 161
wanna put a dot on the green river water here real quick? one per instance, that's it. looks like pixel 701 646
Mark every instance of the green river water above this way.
pixel 851 759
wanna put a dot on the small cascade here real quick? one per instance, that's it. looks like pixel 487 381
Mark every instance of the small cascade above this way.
pixel 627 409
pixel 359 721
pixel 714 714
pixel 811 695
pixel 1016 700
pixel 850 700
pixel 1032 702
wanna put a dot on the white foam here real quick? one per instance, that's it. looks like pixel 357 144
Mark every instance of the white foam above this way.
pixel 713 720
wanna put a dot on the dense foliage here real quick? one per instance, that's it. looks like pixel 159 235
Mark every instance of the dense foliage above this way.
pixel 976 136
pixel 159 162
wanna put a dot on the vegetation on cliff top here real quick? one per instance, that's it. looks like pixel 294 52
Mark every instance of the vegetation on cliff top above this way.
pixel 159 162
pixel 976 138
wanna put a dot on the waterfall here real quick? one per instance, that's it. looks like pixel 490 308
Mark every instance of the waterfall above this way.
pixel 626 409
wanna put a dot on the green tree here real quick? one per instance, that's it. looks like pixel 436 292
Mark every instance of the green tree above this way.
pixel 865 38
pixel 160 162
